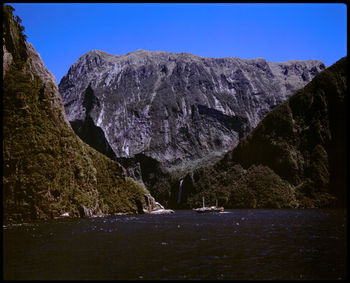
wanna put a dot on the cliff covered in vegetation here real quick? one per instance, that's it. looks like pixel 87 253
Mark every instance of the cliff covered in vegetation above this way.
pixel 295 157
pixel 47 170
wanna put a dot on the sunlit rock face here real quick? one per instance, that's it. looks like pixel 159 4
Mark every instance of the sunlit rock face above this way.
pixel 175 107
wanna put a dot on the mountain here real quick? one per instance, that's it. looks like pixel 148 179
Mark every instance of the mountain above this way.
pixel 48 170
pixel 295 157
pixel 174 107
pixel 163 114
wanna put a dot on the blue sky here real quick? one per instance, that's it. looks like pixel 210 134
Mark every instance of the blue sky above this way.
pixel 62 32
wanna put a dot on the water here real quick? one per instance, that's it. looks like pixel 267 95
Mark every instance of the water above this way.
pixel 179 192
pixel 238 244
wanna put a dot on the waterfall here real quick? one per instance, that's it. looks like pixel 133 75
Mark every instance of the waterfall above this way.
pixel 179 193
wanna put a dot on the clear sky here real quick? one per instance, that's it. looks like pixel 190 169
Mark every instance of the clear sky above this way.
pixel 62 32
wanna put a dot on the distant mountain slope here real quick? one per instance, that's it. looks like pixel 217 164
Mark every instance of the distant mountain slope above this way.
pixel 295 157
pixel 174 108
pixel 47 169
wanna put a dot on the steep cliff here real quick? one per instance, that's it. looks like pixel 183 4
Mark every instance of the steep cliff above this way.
pixel 174 108
pixel 295 157
pixel 47 169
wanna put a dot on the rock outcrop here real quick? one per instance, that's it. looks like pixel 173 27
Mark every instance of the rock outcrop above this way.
pixel 153 207
pixel 48 171
pixel 174 108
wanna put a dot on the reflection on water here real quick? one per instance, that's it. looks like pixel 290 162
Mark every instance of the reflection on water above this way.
pixel 241 244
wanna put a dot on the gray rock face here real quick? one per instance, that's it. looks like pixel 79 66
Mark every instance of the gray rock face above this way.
pixel 176 107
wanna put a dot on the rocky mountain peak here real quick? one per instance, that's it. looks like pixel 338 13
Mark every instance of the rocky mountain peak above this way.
pixel 178 107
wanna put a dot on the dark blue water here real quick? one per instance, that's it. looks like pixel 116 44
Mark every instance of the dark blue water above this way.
pixel 241 244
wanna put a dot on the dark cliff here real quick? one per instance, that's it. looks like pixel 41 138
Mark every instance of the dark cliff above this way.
pixel 47 169
pixel 295 157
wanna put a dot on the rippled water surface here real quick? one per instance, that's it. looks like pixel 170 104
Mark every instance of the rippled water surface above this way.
pixel 237 244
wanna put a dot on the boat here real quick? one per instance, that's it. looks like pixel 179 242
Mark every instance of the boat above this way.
pixel 209 208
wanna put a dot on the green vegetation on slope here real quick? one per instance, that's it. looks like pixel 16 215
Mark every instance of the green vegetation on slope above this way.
pixel 13 35
pixel 47 169
pixel 295 157
pixel 304 140
pixel 235 187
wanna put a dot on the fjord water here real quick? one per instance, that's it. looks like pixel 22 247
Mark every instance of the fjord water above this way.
pixel 237 244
